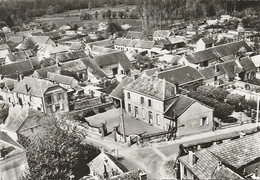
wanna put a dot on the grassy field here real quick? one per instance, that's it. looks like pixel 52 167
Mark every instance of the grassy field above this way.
pixel 73 17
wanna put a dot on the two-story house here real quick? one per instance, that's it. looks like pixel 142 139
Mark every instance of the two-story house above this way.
pixel 158 102
pixel 204 43
pixel 41 95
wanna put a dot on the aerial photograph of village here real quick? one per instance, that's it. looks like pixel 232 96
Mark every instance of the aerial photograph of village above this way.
pixel 129 89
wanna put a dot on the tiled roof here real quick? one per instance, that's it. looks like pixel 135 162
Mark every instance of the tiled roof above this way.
pixel 36 87
pixel 247 63
pixel 76 46
pixel 69 56
pixel 176 39
pixel 210 72
pixel 134 35
pixel 178 106
pixel 125 42
pixel 113 58
pixel 112 165
pixel 93 68
pixel 181 75
pixel 162 33
pixel 42 73
pixel 144 44
pixel 4 46
pixel 17 117
pixel 238 152
pixel 17 56
pixel 101 50
pixel 152 86
pixel 216 52
pixel 151 72
pixel 67 80
pixel 16 67
pixel 229 68
pixel 208 40
pixel 207 167
pixel 118 91
pixel 103 43
pixel 40 39
pixel 15 39
pixel 130 175
pixel 228 58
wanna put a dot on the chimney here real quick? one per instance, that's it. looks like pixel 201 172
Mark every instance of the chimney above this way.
pixel 192 158
pixel 177 88
pixel 216 68
pixel 21 76
pixel 1 77
pixel 242 134
pixel 105 172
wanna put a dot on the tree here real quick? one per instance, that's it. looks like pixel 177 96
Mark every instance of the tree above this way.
pixel 114 14
pixel 104 14
pixel 120 14
pixel 56 153
pixel 108 13
pixel 9 22
pixel 113 27
pixel 96 14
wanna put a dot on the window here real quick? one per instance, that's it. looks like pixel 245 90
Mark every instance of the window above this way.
pixel 149 102
pixel 143 112
pixel 48 99
pixel 204 121
pixel 57 107
pixel 129 107
pixel 150 117
pixel 215 78
pixel 128 95
pixel 39 109
pixel 59 96
pixel 185 171
pixel 142 100
pixel 136 112
pixel 158 119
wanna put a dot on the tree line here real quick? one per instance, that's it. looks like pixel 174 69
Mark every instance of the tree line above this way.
pixel 158 10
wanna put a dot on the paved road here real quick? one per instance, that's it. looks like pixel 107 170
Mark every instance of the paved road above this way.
pixel 155 158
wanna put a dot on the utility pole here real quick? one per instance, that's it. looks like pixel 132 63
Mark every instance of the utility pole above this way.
pixel 257 109
pixel 123 120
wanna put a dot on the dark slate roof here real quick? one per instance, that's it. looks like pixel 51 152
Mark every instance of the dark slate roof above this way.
pixel 216 52
pixel 207 40
pixel 181 75
pixel 37 87
pixel 113 58
pixel 163 42
pixel 134 35
pixel 210 72
pixel 52 35
pixel 238 152
pixel 67 80
pixel 207 166
pixel 229 68
pixel 69 56
pixel 42 73
pixel 17 67
pixel 103 43
pixel 178 106
pixel 118 91
pixel 152 86
pixel 247 63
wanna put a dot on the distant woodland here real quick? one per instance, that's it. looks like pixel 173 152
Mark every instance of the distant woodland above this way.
pixel 22 10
